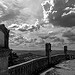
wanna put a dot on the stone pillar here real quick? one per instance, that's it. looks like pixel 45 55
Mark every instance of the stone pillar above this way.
pixel 65 51
pixel 4 61
pixel 48 52
pixel 4 49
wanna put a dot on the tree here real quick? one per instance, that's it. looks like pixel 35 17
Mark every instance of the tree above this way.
pixel 12 57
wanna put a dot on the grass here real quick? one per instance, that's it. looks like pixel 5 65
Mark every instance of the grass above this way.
pixel 25 55
pixel 42 52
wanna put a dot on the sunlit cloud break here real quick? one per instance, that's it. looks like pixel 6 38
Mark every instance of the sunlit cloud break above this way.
pixel 46 11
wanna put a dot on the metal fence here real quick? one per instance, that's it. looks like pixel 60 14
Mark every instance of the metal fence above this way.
pixel 37 65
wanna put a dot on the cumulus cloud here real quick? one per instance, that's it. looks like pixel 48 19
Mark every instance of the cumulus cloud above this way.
pixel 39 41
pixel 12 34
pixel 59 12
pixel 19 39
pixel 3 7
pixel 58 40
pixel 29 32
pixel 70 35
pixel 28 40
pixel 32 8
pixel 13 27
pixel 7 10
pixel 62 13
pixel 44 36
pixel 25 27
pixel 27 10
pixel 10 15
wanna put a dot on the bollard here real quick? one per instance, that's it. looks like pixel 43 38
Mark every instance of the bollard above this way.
pixel 65 52
pixel 48 52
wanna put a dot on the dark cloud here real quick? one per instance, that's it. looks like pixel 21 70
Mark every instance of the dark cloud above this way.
pixel 70 35
pixel 58 40
pixel 44 36
pixel 39 41
pixel 19 39
pixel 63 13
pixel 34 10
pixel 47 6
pixel 28 40
pixel 31 29
pixel 10 15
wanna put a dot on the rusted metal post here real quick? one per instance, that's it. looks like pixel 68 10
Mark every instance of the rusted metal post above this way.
pixel 65 51
pixel 48 52
pixel 46 49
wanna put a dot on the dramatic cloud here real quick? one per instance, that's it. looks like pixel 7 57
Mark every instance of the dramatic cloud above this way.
pixel 25 27
pixel 10 15
pixel 39 41
pixel 27 10
pixel 58 40
pixel 62 12
pixel 59 12
pixel 7 11
pixel 33 24
pixel 44 36
pixel 70 35
pixel 12 34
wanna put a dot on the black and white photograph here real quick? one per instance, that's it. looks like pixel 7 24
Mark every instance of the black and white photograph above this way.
pixel 37 37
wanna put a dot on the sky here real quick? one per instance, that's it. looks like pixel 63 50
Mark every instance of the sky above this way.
pixel 34 23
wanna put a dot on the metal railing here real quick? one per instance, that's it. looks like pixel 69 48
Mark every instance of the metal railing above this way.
pixel 36 65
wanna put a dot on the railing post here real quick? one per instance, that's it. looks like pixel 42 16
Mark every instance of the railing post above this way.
pixel 65 51
pixel 48 52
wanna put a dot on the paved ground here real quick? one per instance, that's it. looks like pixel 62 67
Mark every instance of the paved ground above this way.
pixel 64 68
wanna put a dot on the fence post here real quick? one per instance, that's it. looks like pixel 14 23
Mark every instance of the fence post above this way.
pixel 65 51
pixel 48 52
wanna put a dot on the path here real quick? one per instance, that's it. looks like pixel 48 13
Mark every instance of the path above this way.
pixel 64 68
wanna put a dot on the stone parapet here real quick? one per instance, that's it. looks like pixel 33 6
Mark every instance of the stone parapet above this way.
pixel 4 53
